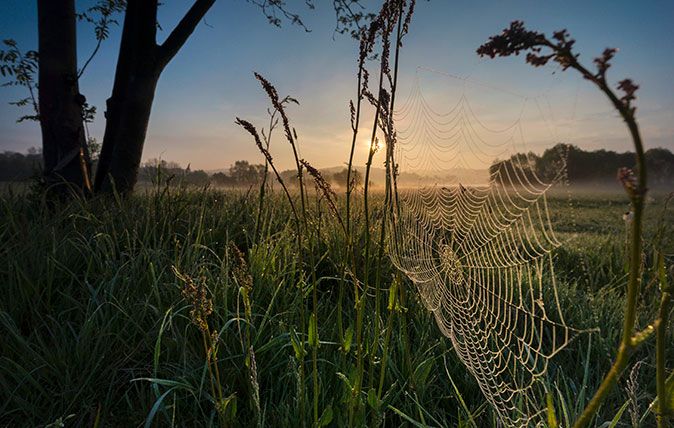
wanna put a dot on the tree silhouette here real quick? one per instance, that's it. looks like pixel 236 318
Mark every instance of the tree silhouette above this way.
pixel 140 63
pixel 66 158
pixel 243 173
pixel 340 178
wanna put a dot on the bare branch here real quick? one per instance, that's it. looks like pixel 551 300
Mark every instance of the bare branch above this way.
pixel 183 30
pixel 273 10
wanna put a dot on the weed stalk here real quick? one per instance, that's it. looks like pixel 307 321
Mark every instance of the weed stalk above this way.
pixel 516 39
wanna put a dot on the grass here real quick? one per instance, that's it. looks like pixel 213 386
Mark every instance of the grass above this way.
pixel 97 329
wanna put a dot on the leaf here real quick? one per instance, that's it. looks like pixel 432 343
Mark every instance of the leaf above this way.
pixel 347 340
pixel 298 346
pixel 372 399
pixel 20 103
pixel 6 71
pixel 407 418
pixel 157 348
pixel 291 100
pixel 227 408
pixel 31 117
pixel 460 398
pixel 166 382
pixel 313 331
pixel 422 371
pixel 326 417
pixel 155 408
pixel 344 378
pixel 392 295
pixel 616 418
pixel 552 416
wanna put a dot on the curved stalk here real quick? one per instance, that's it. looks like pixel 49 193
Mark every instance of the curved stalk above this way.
pixel 629 341
pixel 512 41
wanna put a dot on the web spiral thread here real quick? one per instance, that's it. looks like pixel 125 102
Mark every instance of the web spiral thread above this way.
pixel 479 249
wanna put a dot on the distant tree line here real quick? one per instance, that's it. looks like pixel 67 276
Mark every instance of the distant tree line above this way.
pixel 20 167
pixel 598 166
pixel 336 179
pixel 242 173
pixel 26 166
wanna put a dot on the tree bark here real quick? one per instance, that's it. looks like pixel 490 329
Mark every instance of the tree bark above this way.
pixel 130 105
pixel 139 66
pixel 66 159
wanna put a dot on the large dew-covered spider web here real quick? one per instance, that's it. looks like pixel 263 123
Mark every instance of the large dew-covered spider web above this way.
pixel 471 228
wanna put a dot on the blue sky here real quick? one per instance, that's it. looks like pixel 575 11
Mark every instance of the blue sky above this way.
pixel 210 81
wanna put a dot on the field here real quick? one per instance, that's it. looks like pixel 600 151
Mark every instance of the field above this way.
pixel 143 311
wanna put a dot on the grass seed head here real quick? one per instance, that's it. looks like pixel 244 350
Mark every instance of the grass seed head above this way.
pixel 197 295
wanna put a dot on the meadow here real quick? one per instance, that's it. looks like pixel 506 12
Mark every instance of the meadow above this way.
pixel 194 307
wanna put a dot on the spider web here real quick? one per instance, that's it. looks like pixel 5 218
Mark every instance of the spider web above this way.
pixel 478 247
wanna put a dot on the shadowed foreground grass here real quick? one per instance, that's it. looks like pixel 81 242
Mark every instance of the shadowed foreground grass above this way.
pixel 96 329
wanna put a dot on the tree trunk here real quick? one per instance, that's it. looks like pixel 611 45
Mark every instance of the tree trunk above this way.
pixel 129 107
pixel 139 66
pixel 130 132
pixel 66 159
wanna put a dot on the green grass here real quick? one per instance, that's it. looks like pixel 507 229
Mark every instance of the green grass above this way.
pixel 95 330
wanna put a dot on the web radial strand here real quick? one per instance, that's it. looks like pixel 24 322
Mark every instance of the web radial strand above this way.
pixel 474 235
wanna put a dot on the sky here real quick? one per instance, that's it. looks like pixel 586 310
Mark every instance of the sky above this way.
pixel 210 82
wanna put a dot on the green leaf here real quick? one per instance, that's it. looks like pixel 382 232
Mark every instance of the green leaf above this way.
pixel 422 371
pixel 407 418
pixel 155 408
pixel 552 416
pixel 166 382
pixel 347 340
pixel 392 295
pixel 227 408
pixel 459 397
pixel 326 417
pixel 157 349
pixel 313 331
pixel 372 399
pixel 345 379
pixel 298 346
pixel 616 418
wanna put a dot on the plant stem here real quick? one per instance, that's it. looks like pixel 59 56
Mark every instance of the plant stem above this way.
pixel 388 198
pixel 356 123
pixel 627 344
pixel 392 307
pixel 263 186
pixel 360 301
pixel 664 412
pixel 314 345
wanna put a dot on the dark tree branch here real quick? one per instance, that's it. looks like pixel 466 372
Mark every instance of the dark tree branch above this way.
pixel 272 8
pixel 182 31
pixel 349 20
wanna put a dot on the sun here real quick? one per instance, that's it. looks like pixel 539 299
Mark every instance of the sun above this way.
pixel 377 146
